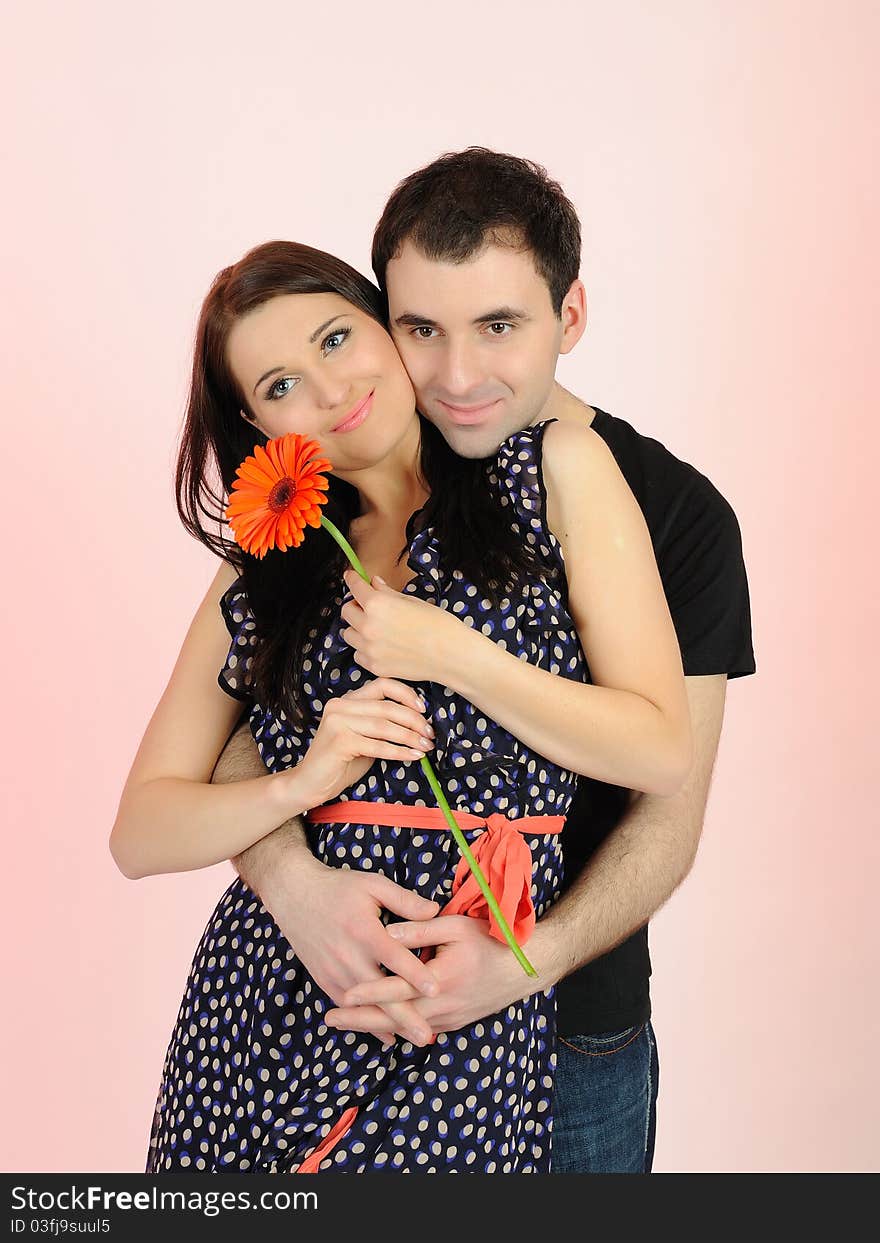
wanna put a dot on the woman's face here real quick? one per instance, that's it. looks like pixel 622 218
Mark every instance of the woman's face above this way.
pixel 315 364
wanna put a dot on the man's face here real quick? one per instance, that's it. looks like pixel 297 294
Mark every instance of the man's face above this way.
pixel 479 339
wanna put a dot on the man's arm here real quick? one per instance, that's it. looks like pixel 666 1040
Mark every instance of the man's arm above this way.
pixel 239 761
pixel 641 863
pixel 330 916
pixel 630 876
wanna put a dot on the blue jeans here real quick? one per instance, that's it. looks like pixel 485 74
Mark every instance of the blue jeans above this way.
pixel 605 1103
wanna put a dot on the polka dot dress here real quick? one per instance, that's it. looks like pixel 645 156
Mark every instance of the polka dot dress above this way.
pixel 253 1079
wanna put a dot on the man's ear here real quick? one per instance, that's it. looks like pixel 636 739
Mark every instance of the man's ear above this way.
pixel 573 314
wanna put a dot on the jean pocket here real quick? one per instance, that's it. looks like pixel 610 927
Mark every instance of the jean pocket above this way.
pixel 605 1044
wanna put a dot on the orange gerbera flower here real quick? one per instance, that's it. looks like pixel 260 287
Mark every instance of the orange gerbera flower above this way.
pixel 277 493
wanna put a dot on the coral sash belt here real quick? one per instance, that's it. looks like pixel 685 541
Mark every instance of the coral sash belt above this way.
pixel 503 856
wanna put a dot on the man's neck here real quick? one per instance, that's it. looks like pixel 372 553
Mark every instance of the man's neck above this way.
pixel 563 405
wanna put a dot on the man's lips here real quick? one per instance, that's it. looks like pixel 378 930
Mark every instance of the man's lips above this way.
pixel 468 414
pixel 356 416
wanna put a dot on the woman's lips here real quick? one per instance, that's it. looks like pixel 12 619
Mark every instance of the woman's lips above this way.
pixel 465 415
pixel 357 416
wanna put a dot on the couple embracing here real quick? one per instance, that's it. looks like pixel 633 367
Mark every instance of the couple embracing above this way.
pixel 554 606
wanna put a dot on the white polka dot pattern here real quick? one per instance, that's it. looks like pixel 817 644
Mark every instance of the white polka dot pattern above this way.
pixel 253 1079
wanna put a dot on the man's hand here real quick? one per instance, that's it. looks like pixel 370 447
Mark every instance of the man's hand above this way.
pixel 331 917
pixel 476 975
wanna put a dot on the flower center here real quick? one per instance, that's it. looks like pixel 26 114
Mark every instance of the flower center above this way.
pixel 282 494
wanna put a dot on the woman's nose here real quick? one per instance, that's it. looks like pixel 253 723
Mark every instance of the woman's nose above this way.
pixel 330 391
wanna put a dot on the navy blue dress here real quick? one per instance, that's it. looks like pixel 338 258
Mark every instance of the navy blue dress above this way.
pixel 253 1079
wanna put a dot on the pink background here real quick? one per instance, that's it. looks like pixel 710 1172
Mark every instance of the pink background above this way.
pixel 721 158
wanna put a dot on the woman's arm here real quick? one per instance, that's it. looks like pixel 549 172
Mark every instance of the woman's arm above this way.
pixel 170 818
pixel 631 726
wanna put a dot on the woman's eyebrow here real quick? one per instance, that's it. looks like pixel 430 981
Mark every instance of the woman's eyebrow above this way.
pixel 312 339
pixel 274 371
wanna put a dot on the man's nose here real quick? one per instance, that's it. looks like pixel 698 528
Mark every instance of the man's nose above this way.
pixel 460 372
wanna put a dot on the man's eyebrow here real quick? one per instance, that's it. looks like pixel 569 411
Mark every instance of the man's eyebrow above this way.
pixel 501 312
pixel 410 320
pixel 312 339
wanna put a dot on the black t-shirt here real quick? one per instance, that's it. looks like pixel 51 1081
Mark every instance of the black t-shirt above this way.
pixel 698 548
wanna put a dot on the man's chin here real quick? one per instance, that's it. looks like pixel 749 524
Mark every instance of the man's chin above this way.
pixel 472 442
pixel 469 447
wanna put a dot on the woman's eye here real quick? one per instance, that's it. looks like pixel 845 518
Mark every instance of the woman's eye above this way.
pixel 333 342
pixel 281 388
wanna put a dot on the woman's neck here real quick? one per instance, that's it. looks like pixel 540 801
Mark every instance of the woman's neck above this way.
pixel 392 489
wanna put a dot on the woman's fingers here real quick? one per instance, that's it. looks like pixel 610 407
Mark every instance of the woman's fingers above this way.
pixel 391 711
pixel 364 713
pixel 384 721
pixel 374 749
pixel 388 688
pixel 384 730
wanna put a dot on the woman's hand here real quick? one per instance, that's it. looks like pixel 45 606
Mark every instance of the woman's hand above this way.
pixel 399 636
pixel 383 719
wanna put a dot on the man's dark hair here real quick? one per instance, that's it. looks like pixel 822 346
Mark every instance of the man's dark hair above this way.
pixel 463 199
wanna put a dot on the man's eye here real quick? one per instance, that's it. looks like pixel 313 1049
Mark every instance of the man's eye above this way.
pixel 281 388
pixel 423 332
pixel 500 329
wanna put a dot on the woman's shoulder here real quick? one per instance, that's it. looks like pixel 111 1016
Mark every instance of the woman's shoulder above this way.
pixel 554 442
pixel 575 459
pixel 228 594
pixel 565 439
pixel 227 576
pixel 582 480
pixel 226 588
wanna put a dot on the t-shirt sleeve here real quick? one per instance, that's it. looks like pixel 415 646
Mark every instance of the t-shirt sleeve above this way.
pixel 704 576
pixel 235 676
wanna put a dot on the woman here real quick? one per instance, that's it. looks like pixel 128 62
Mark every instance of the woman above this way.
pixel 514 552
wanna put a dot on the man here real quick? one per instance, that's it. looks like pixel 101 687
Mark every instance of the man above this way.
pixel 478 257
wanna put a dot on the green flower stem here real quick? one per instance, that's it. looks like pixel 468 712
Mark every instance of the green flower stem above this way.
pixel 475 867
pixel 438 791
pixel 345 546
